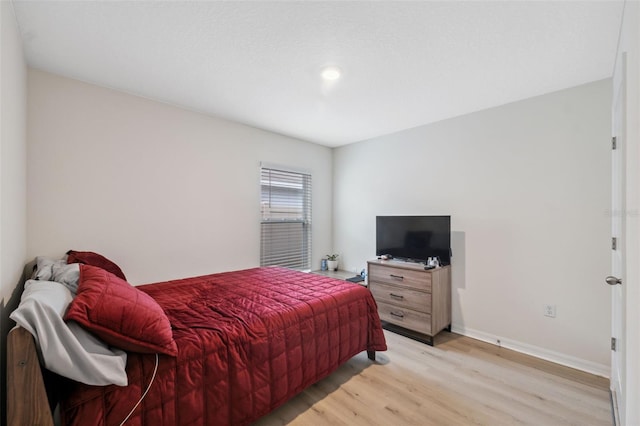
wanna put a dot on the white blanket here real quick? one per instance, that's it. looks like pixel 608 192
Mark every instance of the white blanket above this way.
pixel 66 348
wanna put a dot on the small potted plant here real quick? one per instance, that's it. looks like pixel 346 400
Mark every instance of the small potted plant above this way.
pixel 332 262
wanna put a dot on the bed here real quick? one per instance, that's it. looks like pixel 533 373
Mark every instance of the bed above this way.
pixel 245 343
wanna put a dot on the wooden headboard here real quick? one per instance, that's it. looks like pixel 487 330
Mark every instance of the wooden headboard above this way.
pixel 27 401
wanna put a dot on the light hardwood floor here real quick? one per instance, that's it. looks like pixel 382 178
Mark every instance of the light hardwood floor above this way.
pixel 460 381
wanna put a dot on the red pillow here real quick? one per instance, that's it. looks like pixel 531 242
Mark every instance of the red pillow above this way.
pixel 95 259
pixel 120 314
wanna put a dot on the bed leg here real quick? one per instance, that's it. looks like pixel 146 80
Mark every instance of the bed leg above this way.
pixel 371 355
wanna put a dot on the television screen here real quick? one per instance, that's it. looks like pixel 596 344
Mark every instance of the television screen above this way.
pixel 414 238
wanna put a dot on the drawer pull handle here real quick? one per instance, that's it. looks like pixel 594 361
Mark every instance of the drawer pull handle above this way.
pixel 399 315
pixel 399 277
pixel 397 296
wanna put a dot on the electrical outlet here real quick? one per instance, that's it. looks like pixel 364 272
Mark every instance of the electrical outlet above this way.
pixel 550 311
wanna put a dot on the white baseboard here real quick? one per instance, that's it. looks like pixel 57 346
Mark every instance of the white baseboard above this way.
pixel 557 357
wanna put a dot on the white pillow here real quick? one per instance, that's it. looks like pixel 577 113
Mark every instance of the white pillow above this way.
pixel 57 270
pixel 68 275
pixel 44 268
pixel 67 349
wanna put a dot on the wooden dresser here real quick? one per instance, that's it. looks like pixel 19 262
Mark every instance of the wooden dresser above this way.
pixel 411 300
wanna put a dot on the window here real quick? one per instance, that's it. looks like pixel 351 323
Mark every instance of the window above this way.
pixel 285 227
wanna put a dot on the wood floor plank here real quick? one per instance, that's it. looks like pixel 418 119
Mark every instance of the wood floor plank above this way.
pixel 460 381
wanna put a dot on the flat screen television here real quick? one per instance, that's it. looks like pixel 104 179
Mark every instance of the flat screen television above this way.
pixel 414 238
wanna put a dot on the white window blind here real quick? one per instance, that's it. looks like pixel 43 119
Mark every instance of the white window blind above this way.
pixel 285 227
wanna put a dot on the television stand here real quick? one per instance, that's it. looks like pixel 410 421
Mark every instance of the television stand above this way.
pixel 411 300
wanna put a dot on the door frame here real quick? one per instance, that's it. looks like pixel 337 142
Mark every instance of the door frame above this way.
pixel 619 233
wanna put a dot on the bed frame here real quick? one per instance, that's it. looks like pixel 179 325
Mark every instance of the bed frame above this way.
pixel 29 387
pixel 27 400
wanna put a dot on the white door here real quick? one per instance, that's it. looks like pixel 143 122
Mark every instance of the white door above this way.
pixel 618 220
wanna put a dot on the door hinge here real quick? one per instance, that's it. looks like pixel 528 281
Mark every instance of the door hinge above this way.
pixel 614 143
pixel 614 243
pixel 613 343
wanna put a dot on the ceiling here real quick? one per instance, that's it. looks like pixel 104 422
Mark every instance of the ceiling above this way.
pixel 404 64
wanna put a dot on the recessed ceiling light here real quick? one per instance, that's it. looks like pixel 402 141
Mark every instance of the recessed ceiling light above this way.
pixel 331 73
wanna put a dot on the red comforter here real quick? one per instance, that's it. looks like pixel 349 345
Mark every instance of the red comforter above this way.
pixel 248 341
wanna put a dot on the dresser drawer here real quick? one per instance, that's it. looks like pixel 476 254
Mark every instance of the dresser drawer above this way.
pixel 401 297
pixel 418 280
pixel 403 317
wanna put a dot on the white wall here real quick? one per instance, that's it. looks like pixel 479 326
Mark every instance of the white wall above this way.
pixel 12 154
pixel 528 187
pixel 13 89
pixel 164 192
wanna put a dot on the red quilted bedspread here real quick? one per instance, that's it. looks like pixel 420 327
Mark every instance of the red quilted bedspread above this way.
pixel 248 341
